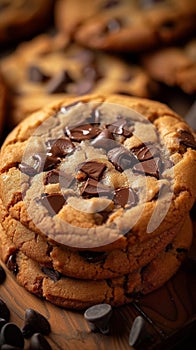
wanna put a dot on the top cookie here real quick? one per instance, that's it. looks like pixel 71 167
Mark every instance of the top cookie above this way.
pixel 20 19
pixel 97 171
pixel 126 25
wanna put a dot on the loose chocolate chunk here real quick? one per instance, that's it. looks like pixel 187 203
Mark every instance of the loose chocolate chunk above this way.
pixel 35 74
pixel 138 331
pixel 104 140
pixel 120 127
pixel 9 347
pixel 11 334
pixel 149 167
pixel 186 138
pixel 53 274
pixel 98 317
pixel 145 152
pixel 125 197
pixel 83 132
pixel 38 342
pixel 93 169
pixel 2 275
pixel 27 169
pixel 12 264
pixel 62 147
pixel 58 83
pixel 93 257
pixel 84 86
pixel 2 322
pixel 53 202
pixel 121 158
pixel 93 188
pixel 35 322
pixel 4 311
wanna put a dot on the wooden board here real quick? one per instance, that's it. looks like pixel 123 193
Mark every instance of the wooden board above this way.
pixel 170 313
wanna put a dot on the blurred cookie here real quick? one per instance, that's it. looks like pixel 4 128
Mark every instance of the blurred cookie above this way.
pixel 46 68
pixel 3 99
pixel 21 19
pixel 174 66
pixel 126 25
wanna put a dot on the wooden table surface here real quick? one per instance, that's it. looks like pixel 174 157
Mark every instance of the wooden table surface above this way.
pixel 166 310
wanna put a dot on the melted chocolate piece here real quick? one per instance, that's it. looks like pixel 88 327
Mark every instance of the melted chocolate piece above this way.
pixel 104 140
pixel 53 274
pixel 53 202
pixel 52 177
pixel 58 83
pixel 125 197
pixel 93 188
pixel 35 74
pixel 95 116
pixel 120 127
pixel 12 264
pixel 186 139
pixel 50 162
pixel 27 169
pixel 145 152
pixel 121 158
pixel 82 132
pixel 93 257
pixel 62 147
pixel 149 167
pixel 93 169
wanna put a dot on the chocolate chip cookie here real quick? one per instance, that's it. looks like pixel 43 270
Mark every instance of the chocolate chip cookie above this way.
pixel 79 294
pixel 46 68
pixel 174 66
pixel 127 25
pixel 99 172
pixel 21 19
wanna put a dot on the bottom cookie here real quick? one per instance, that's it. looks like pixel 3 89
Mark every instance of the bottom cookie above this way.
pixel 79 294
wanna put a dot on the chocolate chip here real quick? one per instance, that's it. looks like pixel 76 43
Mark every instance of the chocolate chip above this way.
pixel 120 127
pixel 12 335
pixel 93 188
pixel 104 140
pixel 125 197
pixel 82 132
pixel 27 169
pixel 2 275
pixel 186 139
pixel 50 162
pixel 145 152
pixel 58 83
pixel 150 167
pixel 12 264
pixel 53 202
pixel 62 147
pixel 83 87
pixel 138 332
pixel 98 317
pixel 35 322
pixel 53 274
pixel 93 169
pixel 121 158
pixel 35 74
pixel 93 257
pixel 38 342
pixel 2 322
pixel 52 177
pixel 4 311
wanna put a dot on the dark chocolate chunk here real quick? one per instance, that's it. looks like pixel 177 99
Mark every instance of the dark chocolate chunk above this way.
pixel 138 333
pixel 93 257
pixel 12 335
pixel 186 139
pixel 53 274
pixel 9 347
pixel 93 188
pixel 181 250
pixel 53 202
pixel 104 140
pixel 169 247
pixel 12 264
pixel 50 162
pixel 125 197
pixel 52 177
pixel 93 169
pixel 35 74
pixel 98 317
pixel 121 158
pixel 120 127
pixel 39 342
pixel 58 83
pixel 145 152
pixel 150 167
pixel 62 147
pixel 4 311
pixel 82 132
pixel 2 275
pixel 27 169
pixel 35 322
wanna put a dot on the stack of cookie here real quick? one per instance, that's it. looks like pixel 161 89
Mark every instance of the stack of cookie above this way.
pixel 95 199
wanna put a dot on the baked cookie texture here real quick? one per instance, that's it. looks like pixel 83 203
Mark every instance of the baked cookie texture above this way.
pixel 21 19
pixel 126 25
pixel 174 66
pixel 95 197
pixel 47 68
